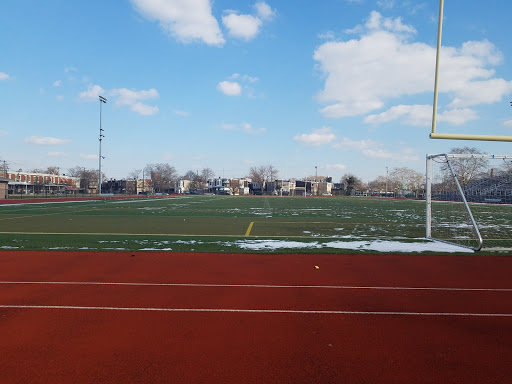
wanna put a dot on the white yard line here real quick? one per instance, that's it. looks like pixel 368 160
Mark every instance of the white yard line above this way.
pixel 284 311
pixel 260 286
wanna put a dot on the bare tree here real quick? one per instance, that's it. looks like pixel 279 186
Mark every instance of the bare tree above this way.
pixel 134 174
pixel 467 169
pixel 206 174
pixel 88 177
pixel 52 170
pixel 263 174
pixel 163 176
pixel 379 184
pixel 131 182
pixel 351 183
pixel 76 171
pixel 271 173
pixel 404 178
pixel 257 175
pixel 190 175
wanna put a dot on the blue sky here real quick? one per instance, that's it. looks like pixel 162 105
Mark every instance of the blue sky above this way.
pixel 346 86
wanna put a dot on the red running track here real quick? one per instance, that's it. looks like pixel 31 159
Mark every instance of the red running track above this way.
pixel 85 317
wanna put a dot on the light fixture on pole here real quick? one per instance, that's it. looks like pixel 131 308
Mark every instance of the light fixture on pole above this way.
pixel 102 101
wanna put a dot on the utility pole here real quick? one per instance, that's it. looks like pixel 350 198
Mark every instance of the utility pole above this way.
pixel 102 101
pixel 5 169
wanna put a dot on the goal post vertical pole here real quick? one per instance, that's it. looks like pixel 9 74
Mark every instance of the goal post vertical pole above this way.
pixel 428 197
pixel 438 59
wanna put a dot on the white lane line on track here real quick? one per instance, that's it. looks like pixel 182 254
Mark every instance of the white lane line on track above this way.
pixel 259 286
pixel 375 313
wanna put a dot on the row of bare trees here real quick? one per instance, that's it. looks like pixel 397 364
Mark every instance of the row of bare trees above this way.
pixel 164 176
pixel 263 174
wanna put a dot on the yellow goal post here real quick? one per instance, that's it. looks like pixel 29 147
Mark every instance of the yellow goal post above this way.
pixel 452 136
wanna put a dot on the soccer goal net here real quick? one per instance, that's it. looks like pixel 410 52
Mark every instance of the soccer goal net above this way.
pixel 469 200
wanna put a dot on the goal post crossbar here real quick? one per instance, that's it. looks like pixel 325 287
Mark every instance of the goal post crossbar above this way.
pixel 470 155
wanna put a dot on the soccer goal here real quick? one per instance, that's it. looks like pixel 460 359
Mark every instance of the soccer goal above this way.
pixel 469 200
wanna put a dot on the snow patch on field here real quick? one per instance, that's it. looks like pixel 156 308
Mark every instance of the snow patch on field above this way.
pixel 376 245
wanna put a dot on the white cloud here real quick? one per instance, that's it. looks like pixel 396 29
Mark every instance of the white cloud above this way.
pixel 457 116
pixel 92 93
pixel 421 115
pixel 374 149
pixel 317 137
pixel 132 98
pixel 243 127
pixel 384 64
pixel 4 76
pixel 481 92
pixel 248 128
pixel 386 4
pixel 247 27
pixel 377 153
pixel 57 154
pixel 378 23
pixel 401 155
pixel 347 143
pixel 3 133
pixel 244 78
pixel 59 97
pixel 143 109
pixel 507 123
pixel 181 113
pixel 329 35
pixel 417 115
pixel 228 127
pixel 39 140
pixel 129 97
pixel 335 167
pixel 185 20
pixel 264 11
pixel 244 27
pixel 229 88
pixel 57 83
pixel 89 156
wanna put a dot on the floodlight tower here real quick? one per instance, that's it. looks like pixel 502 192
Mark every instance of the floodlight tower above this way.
pixel 102 101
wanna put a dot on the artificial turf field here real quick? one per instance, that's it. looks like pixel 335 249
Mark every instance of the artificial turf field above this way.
pixel 218 224
pixel 101 299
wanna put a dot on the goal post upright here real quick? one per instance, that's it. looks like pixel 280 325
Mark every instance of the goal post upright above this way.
pixel 452 136
pixel 428 197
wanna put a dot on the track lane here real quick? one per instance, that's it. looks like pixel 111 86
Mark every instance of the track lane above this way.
pixel 84 346
pixel 257 298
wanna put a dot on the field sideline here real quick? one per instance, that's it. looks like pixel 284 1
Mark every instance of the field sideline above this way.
pixel 220 224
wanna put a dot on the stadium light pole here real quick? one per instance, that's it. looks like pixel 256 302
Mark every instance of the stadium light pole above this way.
pixel 102 101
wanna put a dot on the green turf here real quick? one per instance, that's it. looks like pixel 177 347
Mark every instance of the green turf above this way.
pixel 207 223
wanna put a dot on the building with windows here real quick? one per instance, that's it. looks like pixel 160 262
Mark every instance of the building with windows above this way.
pixel 30 183
pixel 4 183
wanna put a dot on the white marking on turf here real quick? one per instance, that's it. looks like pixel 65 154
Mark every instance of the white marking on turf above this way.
pixel 261 286
pixel 383 313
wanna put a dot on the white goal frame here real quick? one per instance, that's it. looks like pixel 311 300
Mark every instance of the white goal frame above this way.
pixel 428 193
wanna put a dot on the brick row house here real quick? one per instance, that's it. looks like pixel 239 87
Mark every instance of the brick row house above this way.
pixel 30 183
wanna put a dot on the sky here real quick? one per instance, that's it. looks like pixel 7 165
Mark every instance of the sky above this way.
pixel 345 86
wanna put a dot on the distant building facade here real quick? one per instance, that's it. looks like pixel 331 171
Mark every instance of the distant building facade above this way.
pixel 38 183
